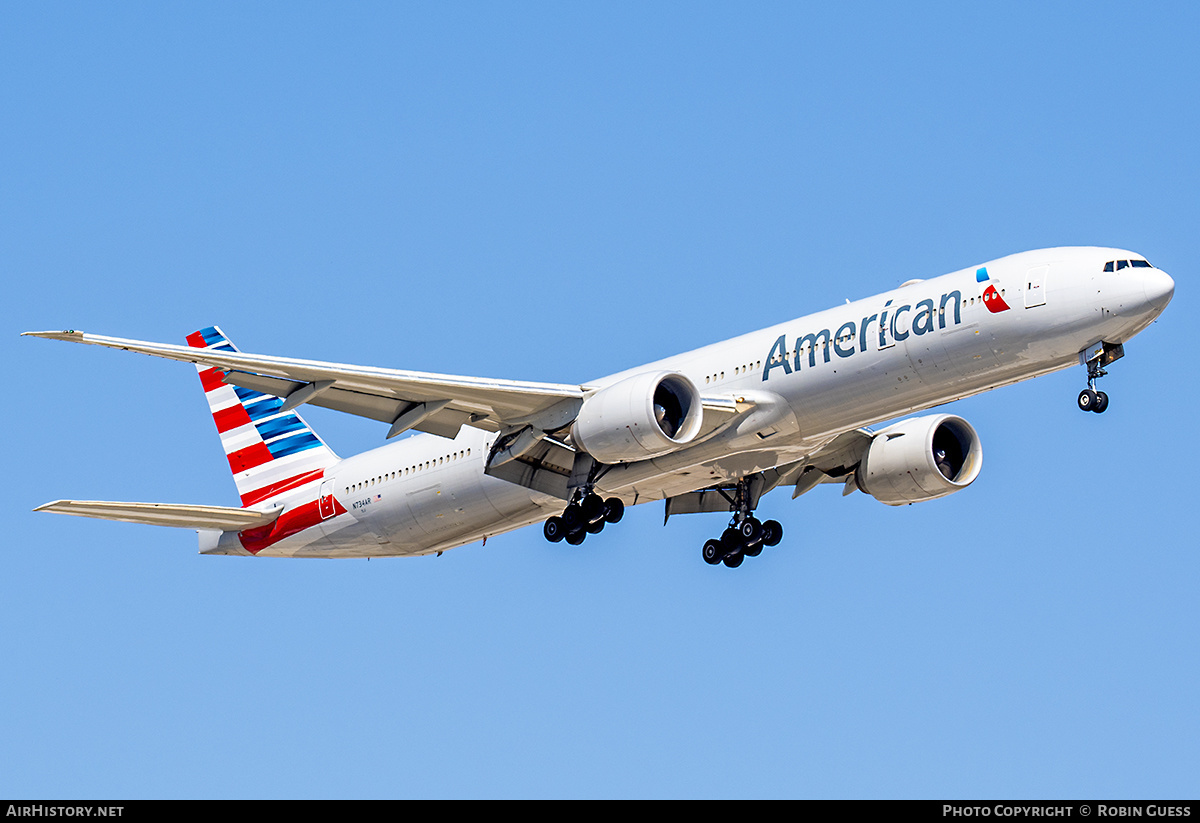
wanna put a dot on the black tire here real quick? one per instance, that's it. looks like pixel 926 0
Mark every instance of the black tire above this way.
pixel 576 537
pixel 594 528
pixel 1101 402
pixel 614 510
pixel 772 533
pixel 592 508
pixel 1087 400
pixel 554 530
pixel 713 552
pixel 731 541
pixel 753 550
pixel 734 560
pixel 750 531
pixel 572 518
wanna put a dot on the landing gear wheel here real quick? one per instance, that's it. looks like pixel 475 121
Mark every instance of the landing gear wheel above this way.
pixel 576 537
pixel 772 533
pixel 713 552
pixel 1088 400
pixel 592 508
pixel 750 531
pixel 734 560
pixel 753 550
pixel 572 518
pixel 731 541
pixel 554 530
pixel 1101 402
pixel 614 510
pixel 594 528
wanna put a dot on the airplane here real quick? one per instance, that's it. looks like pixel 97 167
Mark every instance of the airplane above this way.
pixel 711 430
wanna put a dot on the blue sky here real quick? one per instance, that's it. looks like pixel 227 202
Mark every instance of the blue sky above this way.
pixel 556 192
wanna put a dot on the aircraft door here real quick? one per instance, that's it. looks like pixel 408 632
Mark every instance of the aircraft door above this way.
pixel 887 332
pixel 1035 287
pixel 325 500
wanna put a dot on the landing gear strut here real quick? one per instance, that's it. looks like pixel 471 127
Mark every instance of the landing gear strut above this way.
pixel 745 536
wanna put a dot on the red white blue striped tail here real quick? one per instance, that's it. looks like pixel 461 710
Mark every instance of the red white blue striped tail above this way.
pixel 270 452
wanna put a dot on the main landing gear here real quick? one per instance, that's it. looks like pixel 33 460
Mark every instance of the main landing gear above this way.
pixel 586 515
pixel 745 536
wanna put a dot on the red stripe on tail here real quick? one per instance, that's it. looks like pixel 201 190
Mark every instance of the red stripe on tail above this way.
pixel 249 457
pixel 231 418
pixel 211 379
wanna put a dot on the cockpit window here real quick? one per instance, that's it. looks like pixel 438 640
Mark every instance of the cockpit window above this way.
pixel 1117 265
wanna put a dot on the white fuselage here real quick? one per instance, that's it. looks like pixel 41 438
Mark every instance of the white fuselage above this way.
pixel 921 345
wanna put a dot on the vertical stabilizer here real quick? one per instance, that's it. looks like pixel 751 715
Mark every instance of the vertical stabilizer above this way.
pixel 270 451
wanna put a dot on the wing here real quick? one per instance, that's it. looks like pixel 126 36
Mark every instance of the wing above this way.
pixel 833 462
pixel 435 403
pixel 165 514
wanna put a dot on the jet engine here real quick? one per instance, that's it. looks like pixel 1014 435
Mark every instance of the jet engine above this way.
pixel 639 417
pixel 922 458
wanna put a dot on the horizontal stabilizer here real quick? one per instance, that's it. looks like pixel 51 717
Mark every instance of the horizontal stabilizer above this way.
pixel 177 515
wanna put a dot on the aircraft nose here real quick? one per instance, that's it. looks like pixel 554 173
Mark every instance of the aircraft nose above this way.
pixel 1159 286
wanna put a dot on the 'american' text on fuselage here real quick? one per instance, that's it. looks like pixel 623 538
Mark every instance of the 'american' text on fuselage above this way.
pixel 899 326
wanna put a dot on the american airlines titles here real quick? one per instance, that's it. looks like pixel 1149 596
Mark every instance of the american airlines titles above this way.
pixel 890 326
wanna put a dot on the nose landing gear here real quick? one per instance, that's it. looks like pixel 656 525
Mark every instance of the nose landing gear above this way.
pixel 1096 359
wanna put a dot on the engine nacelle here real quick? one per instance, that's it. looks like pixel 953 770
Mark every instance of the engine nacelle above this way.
pixel 639 417
pixel 923 458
